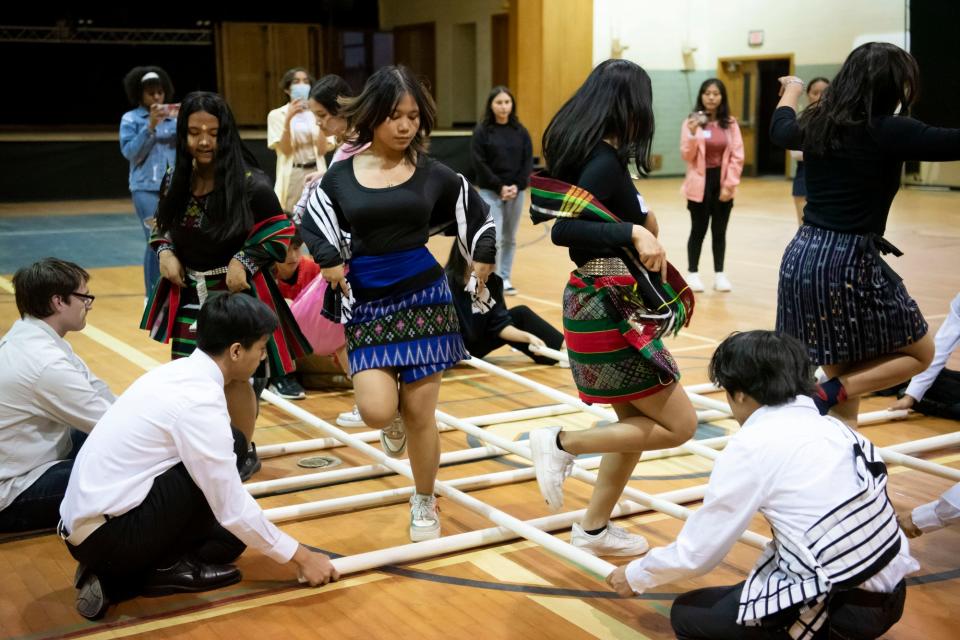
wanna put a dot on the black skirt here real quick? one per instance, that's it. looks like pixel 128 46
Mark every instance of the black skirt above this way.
pixel 841 300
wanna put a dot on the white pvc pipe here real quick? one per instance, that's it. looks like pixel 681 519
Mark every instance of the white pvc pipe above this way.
pixel 582 474
pixel 392 496
pixel 450 544
pixel 317 444
pixel 585 560
pixel 324 478
pixel 943 471
pixel 927 444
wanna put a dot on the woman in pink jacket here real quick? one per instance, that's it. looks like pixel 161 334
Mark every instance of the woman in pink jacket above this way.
pixel 711 144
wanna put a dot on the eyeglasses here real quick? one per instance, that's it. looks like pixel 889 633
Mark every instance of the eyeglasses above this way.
pixel 86 297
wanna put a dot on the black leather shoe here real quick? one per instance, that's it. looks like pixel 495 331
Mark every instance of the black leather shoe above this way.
pixel 190 575
pixel 91 602
pixel 250 463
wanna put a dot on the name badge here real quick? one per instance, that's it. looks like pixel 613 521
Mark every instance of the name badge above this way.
pixel 707 134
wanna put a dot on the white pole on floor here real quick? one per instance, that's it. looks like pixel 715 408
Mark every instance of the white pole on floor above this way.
pixel 317 444
pixel 585 560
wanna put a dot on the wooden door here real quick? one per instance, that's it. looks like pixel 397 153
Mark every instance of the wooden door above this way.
pixel 415 46
pixel 500 49
pixel 242 63
pixel 740 78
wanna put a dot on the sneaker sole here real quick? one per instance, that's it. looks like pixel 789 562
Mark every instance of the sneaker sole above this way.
pixel 616 553
pixel 538 462
pixel 91 603
pixel 420 534
pixel 388 448
pixel 349 424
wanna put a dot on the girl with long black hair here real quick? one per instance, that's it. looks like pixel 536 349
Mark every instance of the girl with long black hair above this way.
pixel 613 337
pixel 219 228
pixel 836 294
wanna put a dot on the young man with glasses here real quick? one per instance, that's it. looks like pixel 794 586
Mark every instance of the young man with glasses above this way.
pixel 49 399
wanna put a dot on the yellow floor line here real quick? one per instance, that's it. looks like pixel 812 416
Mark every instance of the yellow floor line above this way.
pixel 550 303
pixel 574 611
pixel 216 611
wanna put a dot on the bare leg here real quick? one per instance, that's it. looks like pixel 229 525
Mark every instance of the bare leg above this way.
pixel 375 392
pixel 418 402
pixel 860 378
pixel 242 407
pixel 669 411
pixel 665 419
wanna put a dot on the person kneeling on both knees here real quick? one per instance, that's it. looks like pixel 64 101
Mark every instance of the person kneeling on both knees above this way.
pixel 828 569
pixel 155 504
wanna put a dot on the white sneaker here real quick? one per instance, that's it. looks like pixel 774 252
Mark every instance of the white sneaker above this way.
pixel 694 282
pixel 508 288
pixel 612 541
pixel 351 419
pixel 393 438
pixel 424 521
pixel 721 283
pixel 552 465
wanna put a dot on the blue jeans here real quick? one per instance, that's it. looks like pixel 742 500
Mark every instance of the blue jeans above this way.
pixel 39 506
pixel 506 217
pixel 145 204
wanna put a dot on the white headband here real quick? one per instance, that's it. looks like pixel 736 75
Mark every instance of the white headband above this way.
pixel 152 75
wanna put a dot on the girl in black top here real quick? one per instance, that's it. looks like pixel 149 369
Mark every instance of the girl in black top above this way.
pixel 588 144
pixel 836 293
pixel 520 327
pixel 502 160
pixel 219 228
pixel 376 210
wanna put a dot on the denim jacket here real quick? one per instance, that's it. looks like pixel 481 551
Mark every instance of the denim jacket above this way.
pixel 149 152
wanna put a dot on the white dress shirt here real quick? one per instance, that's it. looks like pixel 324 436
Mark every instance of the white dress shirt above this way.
pixel 174 413
pixel 787 462
pixel 946 342
pixel 45 389
pixel 939 513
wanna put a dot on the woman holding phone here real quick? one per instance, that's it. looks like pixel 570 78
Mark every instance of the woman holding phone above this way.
pixel 148 139
pixel 293 133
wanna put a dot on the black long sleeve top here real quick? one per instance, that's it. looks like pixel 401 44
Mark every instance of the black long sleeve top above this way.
pixel 610 182
pixel 850 190
pixel 502 155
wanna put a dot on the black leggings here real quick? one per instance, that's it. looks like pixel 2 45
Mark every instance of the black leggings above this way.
pixel 700 218
pixel 525 319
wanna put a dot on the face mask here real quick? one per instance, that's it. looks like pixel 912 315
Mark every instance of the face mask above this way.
pixel 299 91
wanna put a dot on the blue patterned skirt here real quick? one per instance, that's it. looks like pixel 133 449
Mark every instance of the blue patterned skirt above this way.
pixel 415 332
pixel 838 297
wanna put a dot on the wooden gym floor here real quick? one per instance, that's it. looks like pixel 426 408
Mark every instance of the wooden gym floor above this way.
pixel 509 590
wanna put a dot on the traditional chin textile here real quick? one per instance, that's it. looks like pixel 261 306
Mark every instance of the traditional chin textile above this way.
pixel 416 333
pixel 838 297
pixel 612 360
pixel 667 306
pixel 171 312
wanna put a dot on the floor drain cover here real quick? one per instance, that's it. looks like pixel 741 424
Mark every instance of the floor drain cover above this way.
pixel 319 462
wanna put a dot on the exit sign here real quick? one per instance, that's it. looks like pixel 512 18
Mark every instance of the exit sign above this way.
pixel 755 38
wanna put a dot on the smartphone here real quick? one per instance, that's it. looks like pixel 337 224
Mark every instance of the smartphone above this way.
pixel 171 110
pixel 299 91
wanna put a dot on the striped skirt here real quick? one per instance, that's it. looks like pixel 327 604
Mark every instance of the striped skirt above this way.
pixel 838 297
pixel 611 360
pixel 416 332
pixel 171 316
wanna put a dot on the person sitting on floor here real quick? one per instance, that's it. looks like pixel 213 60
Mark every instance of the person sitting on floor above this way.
pixel 49 399
pixel 813 479
pixel 520 326
pixel 155 504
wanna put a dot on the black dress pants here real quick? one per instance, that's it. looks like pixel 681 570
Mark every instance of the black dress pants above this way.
pixel 854 615
pixel 173 521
